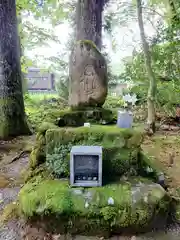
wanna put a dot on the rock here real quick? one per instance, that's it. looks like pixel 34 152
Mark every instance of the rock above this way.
pixel 34 233
pixel 136 206
pixel 175 128
pixel 165 127
pixel 77 117
pixel 121 148
pixel 133 238
pixel 61 237
pixel 88 76
pixel 4 182
pixel 110 201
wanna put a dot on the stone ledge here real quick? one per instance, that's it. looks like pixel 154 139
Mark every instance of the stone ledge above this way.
pixel 111 208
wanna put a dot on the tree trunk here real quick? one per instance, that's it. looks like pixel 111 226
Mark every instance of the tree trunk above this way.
pixel 89 21
pixel 151 76
pixel 12 114
pixel 21 37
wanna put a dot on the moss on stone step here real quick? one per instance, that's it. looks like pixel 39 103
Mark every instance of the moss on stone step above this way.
pixel 87 211
pixel 77 117
pixel 120 148
pixel 38 154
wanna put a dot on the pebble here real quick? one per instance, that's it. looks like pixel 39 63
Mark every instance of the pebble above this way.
pixel 86 205
pixel 110 201
pixel 133 238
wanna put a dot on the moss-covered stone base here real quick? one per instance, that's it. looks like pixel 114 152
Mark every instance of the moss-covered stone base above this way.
pixel 38 154
pixel 120 148
pixel 135 205
pixel 108 209
pixel 122 154
pixel 77 117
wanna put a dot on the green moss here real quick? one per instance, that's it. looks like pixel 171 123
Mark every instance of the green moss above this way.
pixel 38 154
pixel 118 156
pixel 31 173
pixel 177 212
pixel 45 126
pixel 98 133
pixel 89 44
pixel 77 117
pixel 55 198
pixel 71 118
pixel 145 163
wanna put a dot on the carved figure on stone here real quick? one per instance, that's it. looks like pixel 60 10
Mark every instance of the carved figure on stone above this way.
pixel 88 76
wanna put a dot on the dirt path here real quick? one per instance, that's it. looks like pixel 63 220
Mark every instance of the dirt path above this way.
pixel 164 150
pixel 11 180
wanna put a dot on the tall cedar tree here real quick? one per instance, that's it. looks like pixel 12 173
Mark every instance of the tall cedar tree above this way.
pixel 12 113
pixel 89 20
pixel 151 76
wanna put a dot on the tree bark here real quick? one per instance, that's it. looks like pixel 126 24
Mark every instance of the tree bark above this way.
pixel 12 113
pixel 152 80
pixel 21 37
pixel 89 21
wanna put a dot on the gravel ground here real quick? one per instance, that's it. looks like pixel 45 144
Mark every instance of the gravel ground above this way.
pixel 11 231
pixel 12 171
pixel 8 195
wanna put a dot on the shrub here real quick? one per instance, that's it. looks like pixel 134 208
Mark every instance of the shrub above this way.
pixel 40 109
pixel 113 102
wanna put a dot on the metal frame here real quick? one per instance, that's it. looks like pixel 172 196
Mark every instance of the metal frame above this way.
pixel 86 150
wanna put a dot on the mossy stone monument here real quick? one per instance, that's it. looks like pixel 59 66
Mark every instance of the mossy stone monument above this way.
pixel 88 76
pixel 127 201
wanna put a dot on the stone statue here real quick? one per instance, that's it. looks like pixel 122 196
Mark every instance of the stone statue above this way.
pixel 88 76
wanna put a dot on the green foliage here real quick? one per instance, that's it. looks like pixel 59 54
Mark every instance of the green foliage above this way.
pixel 48 108
pixel 113 102
pixel 166 67
pixel 58 162
pixel 40 108
pixel 31 35
pixel 63 87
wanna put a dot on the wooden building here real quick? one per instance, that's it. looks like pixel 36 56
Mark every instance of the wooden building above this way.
pixel 38 79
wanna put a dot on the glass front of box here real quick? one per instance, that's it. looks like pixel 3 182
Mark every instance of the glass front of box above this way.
pixel 86 168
